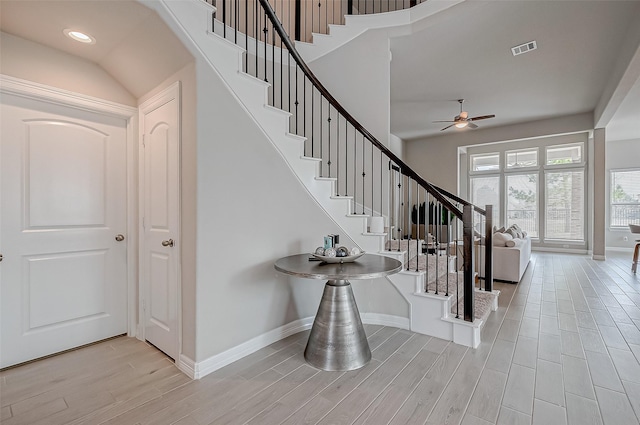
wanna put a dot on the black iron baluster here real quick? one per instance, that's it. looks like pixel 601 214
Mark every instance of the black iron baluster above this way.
pixel 346 157
pixel 363 175
pixel 313 116
pixel 329 139
pixel 298 19
pixel 246 35
pixel 256 18
pixel 337 154
pixel 408 225
pixel 319 14
pixel 417 227
pixel 235 35
pixel 436 221
pixel 457 271
pixel 224 19
pixel 400 209
pixel 281 72
pixel 289 78
pixel 321 123
pixel 273 67
pixel 355 166
pixel 448 250
pixel 265 31
pixel 296 102
pixel 382 187
pixel 372 185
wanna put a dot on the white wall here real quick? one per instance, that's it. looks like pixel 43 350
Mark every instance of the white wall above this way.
pixel 251 211
pixel 358 75
pixel 436 158
pixel 34 62
pixel 619 155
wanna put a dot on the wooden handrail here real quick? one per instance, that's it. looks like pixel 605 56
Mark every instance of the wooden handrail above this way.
pixel 440 194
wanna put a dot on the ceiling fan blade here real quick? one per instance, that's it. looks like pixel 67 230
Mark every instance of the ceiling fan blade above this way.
pixel 449 126
pixel 481 117
pixel 471 125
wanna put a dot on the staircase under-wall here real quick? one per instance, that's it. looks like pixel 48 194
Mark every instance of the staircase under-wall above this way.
pixel 431 282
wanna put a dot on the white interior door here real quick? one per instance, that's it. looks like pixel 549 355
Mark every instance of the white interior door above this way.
pixel 63 201
pixel 160 127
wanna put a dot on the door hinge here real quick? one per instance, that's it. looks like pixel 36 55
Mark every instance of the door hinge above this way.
pixel 144 305
pixel 143 141
pixel 143 225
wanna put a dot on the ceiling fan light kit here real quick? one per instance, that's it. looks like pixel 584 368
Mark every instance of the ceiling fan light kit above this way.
pixel 463 121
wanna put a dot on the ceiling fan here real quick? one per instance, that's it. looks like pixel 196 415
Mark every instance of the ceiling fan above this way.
pixel 462 120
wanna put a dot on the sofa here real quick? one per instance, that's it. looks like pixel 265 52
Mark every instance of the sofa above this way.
pixel 511 254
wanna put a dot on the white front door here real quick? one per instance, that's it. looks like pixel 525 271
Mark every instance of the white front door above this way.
pixel 63 201
pixel 160 128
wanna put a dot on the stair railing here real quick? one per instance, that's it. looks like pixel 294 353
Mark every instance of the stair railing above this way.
pixel 303 18
pixel 378 183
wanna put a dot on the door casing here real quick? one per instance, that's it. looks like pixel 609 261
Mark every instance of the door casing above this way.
pixel 56 96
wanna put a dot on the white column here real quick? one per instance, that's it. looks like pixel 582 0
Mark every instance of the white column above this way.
pixel 599 194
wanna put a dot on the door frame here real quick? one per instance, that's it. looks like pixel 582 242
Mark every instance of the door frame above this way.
pixel 171 92
pixel 53 95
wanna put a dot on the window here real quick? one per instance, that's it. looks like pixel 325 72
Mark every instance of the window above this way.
pixel 522 158
pixel 565 154
pixel 540 185
pixel 485 162
pixel 564 212
pixel 522 202
pixel 485 190
pixel 625 198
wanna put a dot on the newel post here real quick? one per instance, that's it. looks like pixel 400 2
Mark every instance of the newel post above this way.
pixel 488 249
pixel 467 238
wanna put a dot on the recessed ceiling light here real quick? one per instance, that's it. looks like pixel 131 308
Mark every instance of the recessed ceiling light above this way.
pixel 79 36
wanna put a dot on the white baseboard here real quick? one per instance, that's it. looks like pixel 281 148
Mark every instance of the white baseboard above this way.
pixel 197 370
pixel 618 249
pixel 386 320
pixel 560 250
pixel 598 257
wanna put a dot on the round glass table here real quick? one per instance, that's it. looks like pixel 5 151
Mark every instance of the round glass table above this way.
pixel 337 341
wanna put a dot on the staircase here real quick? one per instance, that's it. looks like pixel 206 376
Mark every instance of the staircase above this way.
pixel 351 175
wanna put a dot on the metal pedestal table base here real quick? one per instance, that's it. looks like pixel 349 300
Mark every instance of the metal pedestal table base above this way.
pixel 337 341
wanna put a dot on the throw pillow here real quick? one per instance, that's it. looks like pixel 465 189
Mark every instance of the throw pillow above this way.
pixel 511 231
pixel 500 239
pixel 513 243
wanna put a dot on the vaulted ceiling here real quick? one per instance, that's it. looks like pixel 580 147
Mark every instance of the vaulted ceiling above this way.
pixel 132 43
pixel 465 53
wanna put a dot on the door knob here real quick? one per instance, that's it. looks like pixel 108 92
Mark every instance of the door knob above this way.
pixel 167 243
pixel 119 238
pixel 0 257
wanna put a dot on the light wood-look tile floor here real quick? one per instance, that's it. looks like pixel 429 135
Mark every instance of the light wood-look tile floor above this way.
pixel 563 348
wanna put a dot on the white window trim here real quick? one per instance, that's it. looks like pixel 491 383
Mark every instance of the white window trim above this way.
pixel 582 162
pixel 541 169
pixel 611 204
pixel 508 169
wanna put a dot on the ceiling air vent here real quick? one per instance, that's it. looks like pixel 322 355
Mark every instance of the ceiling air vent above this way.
pixel 524 48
